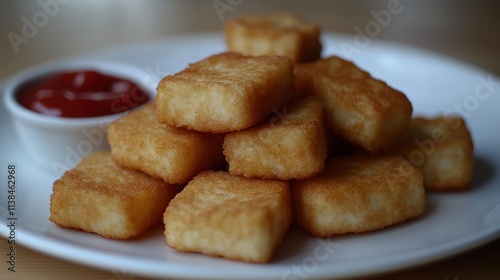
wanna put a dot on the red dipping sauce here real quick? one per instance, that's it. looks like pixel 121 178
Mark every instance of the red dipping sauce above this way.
pixel 81 94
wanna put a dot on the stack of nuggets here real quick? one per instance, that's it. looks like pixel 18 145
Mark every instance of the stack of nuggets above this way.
pixel 121 194
pixel 369 114
pixel 100 196
pixel 363 114
pixel 367 191
pixel 220 213
pixel 272 121
pixel 290 144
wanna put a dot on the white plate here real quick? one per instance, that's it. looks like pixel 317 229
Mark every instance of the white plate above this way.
pixel 452 223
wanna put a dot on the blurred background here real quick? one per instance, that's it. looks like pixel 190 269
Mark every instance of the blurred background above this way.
pixel 36 31
pixel 39 30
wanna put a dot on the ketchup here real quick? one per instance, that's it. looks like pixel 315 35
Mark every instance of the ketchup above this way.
pixel 81 94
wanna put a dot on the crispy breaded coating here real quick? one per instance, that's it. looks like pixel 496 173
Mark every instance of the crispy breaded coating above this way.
pixel 358 193
pixel 225 92
pixel 274 34
pixel 290 144
pixel 176 155
pixel 333 66
pixel 101 197
pixel 363 110
pixel 228 216
pixel 442 149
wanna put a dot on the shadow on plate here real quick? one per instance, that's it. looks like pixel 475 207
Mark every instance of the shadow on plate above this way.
pixel 294 243
pixel 484 171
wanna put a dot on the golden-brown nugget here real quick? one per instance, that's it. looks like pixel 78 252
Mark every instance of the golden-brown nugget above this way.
pixel 274 34
pixel 333 66
pixel 290 144
pixel 224 215
pixel 225 92
pixel 358 193
pixel 100 196
pixel 363 110
pixel 442 149
pixel 139 142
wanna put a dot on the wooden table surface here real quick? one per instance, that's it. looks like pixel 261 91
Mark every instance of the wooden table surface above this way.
pixel 464 30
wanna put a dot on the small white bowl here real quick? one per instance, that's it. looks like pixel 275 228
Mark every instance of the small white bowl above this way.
pixel 60 143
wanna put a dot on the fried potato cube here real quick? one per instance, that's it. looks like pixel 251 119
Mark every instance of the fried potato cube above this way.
pixel 442 149
pixel 291 144
pixel 101 197
pixel 225 92
pixel 274 34
pixel 363 110
pixel 358 193
pixel 333 66
pixel 139 142
pixel 228 216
